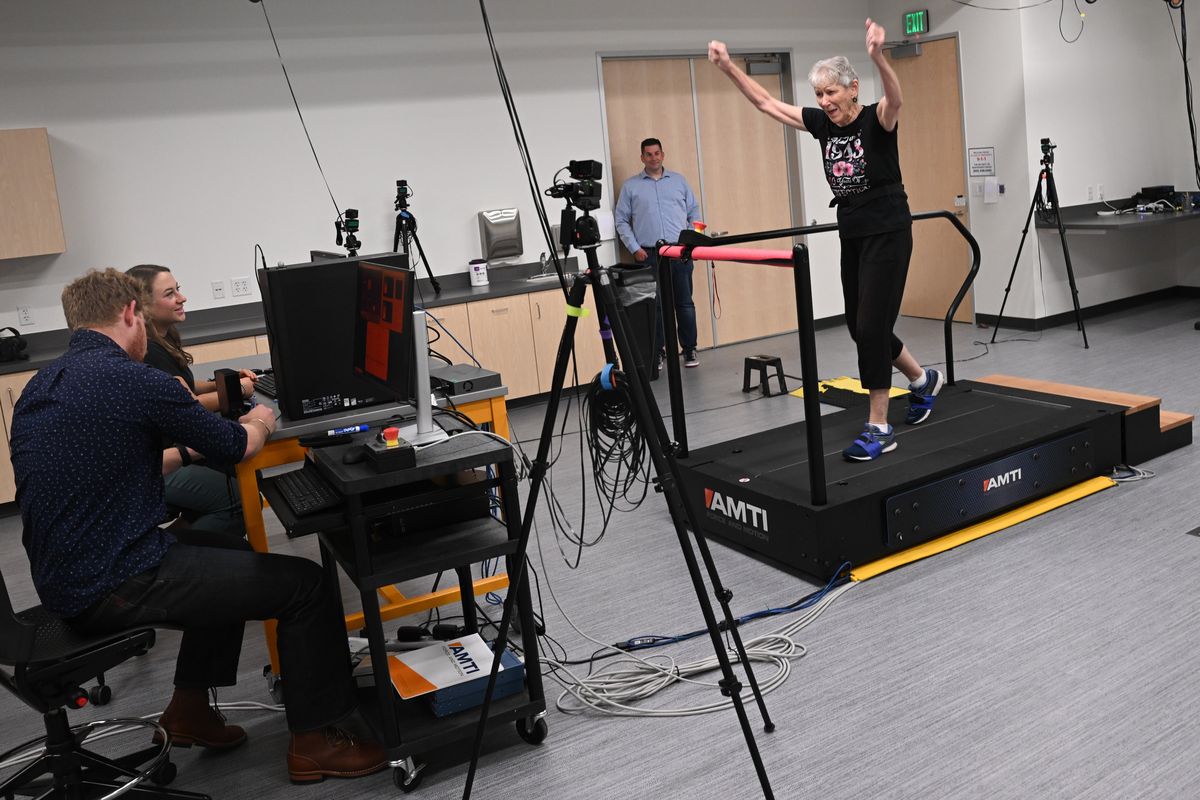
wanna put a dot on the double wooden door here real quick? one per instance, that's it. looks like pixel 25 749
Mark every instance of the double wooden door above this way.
pixel 735 160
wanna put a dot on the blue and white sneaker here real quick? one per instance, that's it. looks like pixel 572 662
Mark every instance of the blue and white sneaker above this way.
pixel 871 444
pixel 920 401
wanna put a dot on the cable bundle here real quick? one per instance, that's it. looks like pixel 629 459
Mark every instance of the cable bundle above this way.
pixel 617 446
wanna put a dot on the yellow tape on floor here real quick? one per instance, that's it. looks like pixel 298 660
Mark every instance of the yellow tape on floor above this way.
pixel 849 384
pixel 981 529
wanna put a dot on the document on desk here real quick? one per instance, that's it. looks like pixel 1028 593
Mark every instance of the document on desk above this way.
pixel 428 669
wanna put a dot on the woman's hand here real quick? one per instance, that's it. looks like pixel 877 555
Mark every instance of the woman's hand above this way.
pixel 247 388
pixel 718 54
pixel 875 37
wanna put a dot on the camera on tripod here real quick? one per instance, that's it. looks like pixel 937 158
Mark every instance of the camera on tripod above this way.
pixel 1047 153
pixel 348 225
pixel 402 194
pixel 583 192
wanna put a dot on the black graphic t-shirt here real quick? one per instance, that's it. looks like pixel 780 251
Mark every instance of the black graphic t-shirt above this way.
pixel 861 157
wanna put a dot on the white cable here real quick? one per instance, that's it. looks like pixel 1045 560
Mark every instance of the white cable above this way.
pixel 489 434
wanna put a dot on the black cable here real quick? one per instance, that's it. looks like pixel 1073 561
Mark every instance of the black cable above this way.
pixel 296 103
pixel 1187 84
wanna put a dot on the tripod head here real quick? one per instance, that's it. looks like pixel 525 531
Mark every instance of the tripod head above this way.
pixel 583 193
pixel 348 224
pixel 1047 153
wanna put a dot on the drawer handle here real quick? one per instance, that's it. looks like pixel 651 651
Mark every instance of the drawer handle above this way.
pixel 499 310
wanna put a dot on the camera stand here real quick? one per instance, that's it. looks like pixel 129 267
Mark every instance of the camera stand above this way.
pixel 406 233
pixel 1046 209
pixel 662 455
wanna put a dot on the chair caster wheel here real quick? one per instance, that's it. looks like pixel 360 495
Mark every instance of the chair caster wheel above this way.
pixel 100 695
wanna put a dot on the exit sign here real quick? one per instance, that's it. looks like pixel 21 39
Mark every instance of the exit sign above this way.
pixel 916 22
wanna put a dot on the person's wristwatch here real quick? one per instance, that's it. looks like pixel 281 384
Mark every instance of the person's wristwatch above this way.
pixel 185 458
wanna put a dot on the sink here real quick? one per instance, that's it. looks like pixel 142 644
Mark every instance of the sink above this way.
pixel 548 277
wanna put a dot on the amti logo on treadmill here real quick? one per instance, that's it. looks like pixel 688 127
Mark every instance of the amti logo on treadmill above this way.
pixel 1003 479
pixel 738 510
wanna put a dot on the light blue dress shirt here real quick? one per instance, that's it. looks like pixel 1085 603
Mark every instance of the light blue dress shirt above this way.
pixel 649 210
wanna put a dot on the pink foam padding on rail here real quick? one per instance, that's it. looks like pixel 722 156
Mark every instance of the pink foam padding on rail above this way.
pixel 775 258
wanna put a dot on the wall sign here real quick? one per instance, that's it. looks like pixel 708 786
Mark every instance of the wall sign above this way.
pixel 981 162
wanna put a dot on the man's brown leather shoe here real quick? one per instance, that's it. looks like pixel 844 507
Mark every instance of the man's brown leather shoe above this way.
pixel 332 753
pixel 190 720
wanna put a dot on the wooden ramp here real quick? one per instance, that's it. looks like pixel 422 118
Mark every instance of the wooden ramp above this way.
pixel 1147 431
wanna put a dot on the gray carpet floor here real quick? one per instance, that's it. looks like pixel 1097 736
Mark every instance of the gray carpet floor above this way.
pixel 1055 659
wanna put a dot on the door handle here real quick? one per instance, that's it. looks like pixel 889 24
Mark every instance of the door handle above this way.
pixel 499 310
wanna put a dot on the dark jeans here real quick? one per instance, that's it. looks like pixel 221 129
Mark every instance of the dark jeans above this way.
pixel 685 309
pixel 874 269
pixel 210 584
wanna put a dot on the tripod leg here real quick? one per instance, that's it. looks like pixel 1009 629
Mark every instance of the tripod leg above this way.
pixel 437 287
pixel 1037 195
pixel 1052 191
pixel 665 467
pixel 537 476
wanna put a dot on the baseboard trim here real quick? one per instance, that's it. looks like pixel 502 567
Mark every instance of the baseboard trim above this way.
pixel 1068 317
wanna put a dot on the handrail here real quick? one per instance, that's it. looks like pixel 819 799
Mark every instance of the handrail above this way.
pixel 805 330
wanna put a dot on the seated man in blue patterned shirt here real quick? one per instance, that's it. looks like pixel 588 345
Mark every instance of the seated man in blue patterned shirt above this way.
pixel 86 449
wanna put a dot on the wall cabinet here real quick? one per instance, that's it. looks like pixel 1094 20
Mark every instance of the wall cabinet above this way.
pixel 30 221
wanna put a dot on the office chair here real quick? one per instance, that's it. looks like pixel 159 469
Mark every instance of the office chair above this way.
pixel 49 663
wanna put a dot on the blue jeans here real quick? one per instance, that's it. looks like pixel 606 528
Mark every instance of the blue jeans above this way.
pixel 210 584
pixel 685 309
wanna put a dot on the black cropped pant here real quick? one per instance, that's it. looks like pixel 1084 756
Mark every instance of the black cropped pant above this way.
pixel 874 269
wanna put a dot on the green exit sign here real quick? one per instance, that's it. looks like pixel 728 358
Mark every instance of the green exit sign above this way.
pixel 916 22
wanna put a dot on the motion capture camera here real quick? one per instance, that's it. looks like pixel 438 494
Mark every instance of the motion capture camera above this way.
pixel 585 192
pixel 348 225
pixel 402 194
pixel 1048 152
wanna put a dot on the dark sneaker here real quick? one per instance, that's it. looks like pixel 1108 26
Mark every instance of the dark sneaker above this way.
pixel 690 359
pixel 870 444
pixel 920 401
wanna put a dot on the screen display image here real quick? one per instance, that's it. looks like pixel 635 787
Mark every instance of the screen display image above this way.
pixel 384 348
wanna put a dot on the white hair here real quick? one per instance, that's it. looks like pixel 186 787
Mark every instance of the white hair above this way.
pixel 832 70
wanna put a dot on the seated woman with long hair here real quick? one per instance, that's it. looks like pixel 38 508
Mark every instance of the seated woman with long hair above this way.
pixel 207 497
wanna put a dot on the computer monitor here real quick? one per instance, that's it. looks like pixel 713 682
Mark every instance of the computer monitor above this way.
pixel 324 255
pixel 310 313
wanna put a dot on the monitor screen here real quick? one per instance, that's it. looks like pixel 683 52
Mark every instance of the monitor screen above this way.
pixel 383 334
pixel 311 319
pixel 324 255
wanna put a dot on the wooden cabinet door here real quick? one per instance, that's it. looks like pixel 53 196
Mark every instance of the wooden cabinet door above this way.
pixel 213 353
pixel 262 345
pixel 548 312
pixel 502 339
pixel 10 390
pixel 450 323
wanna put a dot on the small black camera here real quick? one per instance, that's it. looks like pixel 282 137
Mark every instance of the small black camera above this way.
pixel 586 170
pixel 1048 152
pixel 350 221
pixel 402 194
pixel 586 191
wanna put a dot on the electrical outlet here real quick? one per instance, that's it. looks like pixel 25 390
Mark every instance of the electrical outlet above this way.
pixel 1091 193
pixel 218 290
pixel 1099 191
pixel 241 286
pixel 24 315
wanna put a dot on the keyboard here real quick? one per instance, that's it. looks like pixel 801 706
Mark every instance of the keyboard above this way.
pixel 306 492
pixel 266 384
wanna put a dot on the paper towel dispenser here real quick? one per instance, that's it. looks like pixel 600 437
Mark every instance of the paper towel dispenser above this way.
pixel 500 233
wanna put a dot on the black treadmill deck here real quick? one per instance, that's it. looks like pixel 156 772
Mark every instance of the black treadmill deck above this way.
pixel 753 492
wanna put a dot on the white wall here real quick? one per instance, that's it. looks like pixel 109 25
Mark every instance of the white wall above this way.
pixel 1113 103
pixel 175 140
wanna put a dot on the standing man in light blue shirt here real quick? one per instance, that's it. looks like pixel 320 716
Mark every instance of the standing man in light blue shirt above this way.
pixel 657 204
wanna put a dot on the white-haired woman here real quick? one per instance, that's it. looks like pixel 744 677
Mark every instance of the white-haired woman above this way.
pixel 862 166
